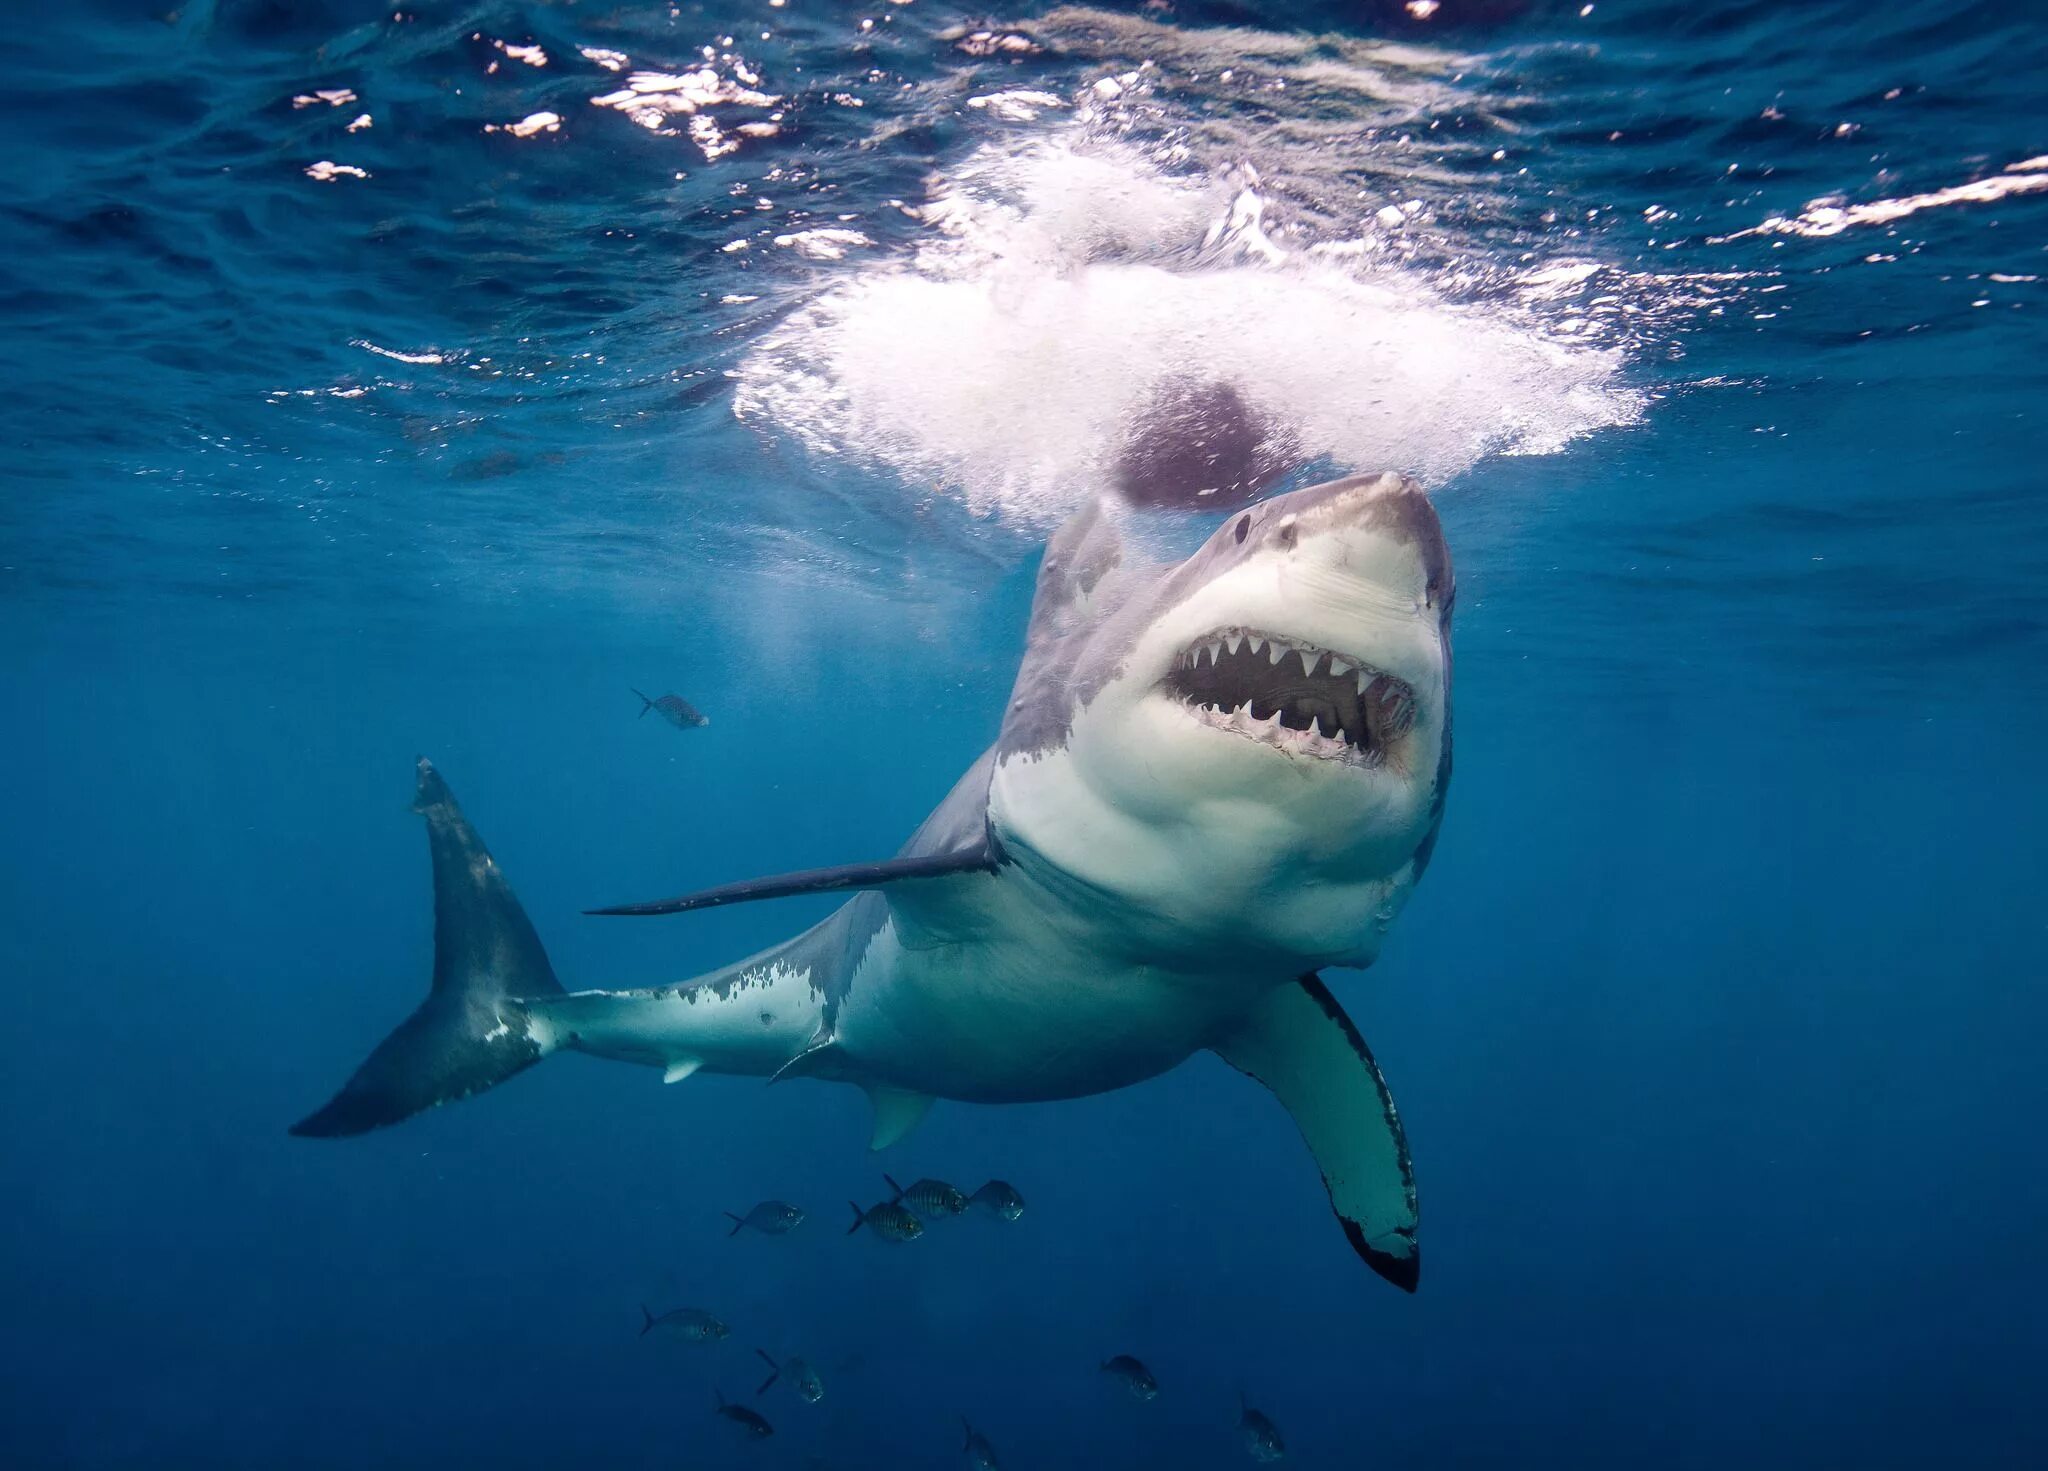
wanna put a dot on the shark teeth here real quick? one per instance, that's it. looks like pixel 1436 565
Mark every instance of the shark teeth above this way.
pixel 1270 731
pixel 1293 696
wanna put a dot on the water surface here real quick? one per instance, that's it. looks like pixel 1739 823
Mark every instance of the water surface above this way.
pixel 402 380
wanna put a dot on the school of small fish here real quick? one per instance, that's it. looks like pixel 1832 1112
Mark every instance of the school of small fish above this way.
pixel 899 1219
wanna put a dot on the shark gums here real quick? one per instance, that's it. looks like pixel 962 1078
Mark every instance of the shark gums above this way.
pixel 1213 780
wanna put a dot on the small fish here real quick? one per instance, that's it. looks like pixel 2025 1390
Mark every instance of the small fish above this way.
pixel 676 710
pixel 1261 1436
pixel 999 1198
pixel 888 1220
pixel 930 1198
pixel 801 1376
pixel 980 1454
pixel 692 1325
pixel 752 1421
pixel 770 1218
pixel 1136 1379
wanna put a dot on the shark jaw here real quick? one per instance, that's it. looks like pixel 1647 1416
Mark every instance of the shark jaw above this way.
pixel 1256 765
pixel 1297 698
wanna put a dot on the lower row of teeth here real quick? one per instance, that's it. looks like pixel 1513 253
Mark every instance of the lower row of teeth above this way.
pixel 1242 719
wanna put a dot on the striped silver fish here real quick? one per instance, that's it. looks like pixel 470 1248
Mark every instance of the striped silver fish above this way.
pixel 1261 1436
pixel 979 1453
pixel 801 1376
pixel 770 1218
pixel 1136 1379
pixel 888 1220
pixel 931 1199
pixel 998 1197
pixel 752 1422
pixel 692 1325
pixel 676 710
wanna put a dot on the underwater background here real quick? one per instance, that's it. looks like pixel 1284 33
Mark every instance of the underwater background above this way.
pixel 415 378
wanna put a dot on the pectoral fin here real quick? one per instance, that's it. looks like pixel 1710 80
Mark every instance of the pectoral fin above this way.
pixel 980 856
pixel 1302 1046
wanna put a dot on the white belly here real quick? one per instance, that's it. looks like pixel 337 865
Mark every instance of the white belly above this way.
pixel 1027 1011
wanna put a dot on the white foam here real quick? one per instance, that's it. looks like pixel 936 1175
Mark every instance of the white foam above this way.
pixel 1827 217
pixel 1068 280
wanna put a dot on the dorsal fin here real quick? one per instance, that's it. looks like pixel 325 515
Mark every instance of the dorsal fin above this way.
pixel 1070 597
pixel 1086 549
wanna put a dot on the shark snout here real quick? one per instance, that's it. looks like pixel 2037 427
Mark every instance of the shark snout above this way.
pixel 1383 519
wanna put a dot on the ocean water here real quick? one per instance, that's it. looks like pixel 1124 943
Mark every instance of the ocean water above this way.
pixel 415 378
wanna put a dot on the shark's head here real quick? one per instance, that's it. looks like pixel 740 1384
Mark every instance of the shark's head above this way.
pixel 1246 754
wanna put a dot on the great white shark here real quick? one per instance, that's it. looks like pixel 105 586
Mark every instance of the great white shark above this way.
pixel 1214 780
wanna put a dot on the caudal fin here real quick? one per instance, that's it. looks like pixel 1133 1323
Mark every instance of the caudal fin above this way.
pixel 894 1186
pixel 645 703
pixel 737 1222
pixel 646 1320
pixel 471 1032
pixel 774 1371
pixel 860 1218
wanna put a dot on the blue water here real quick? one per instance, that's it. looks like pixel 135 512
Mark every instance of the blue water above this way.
pixel 1717 331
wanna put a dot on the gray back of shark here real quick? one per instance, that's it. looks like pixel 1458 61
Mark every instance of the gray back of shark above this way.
pixel 1214 779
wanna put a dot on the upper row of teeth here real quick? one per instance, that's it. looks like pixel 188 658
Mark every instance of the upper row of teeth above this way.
pixel 1275 651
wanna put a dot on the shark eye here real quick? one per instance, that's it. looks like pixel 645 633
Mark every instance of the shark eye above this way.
pixel 1244 524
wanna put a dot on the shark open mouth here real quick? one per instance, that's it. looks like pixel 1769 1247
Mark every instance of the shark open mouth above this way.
pixel 1293 696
